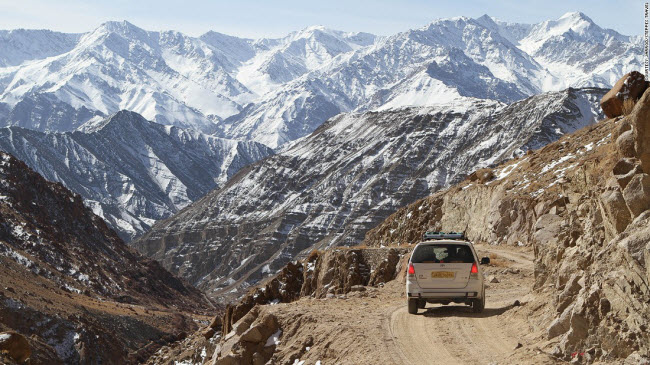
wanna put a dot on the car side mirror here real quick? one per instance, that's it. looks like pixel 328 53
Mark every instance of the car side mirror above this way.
pixel 485 261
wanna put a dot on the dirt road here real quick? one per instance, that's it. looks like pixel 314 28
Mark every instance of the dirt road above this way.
pixel 373 327
pixel 453 334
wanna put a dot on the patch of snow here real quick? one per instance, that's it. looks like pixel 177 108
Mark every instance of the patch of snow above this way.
pixel 4 337
pixel 274 339
pixel 556 162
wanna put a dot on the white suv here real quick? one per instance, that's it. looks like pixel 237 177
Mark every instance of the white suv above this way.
pixel 444 269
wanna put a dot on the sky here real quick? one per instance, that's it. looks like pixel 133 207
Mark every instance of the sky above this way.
pixel 275 18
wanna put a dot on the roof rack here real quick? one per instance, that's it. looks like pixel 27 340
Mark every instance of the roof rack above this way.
pixel 445 236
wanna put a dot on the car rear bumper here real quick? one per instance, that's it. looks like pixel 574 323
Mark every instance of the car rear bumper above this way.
pixel 444 295
pixel 474 289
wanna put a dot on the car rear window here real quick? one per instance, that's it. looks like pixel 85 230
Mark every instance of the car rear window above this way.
pixel 445 253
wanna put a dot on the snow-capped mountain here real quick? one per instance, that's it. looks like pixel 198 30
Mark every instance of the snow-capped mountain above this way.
pixel 280 61
pixel 331 187
pixel 46 113
pixel 277 90
pixel 169 77
pixel 22 45
pixel 443 61
pixel 574 50
pixel 131 171
pixel 166 76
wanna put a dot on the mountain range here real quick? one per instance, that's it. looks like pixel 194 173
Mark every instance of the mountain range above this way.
pixel 331 187
pixel 275 91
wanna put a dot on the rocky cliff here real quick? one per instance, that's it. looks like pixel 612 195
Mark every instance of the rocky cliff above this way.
pixel 582 203
pixel 72 287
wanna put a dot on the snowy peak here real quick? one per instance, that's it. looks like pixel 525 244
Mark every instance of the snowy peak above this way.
pixel 238 50
pixel 279 61
pixel 122 28
pixel 575 25
pixel 122 119
pixel 277 90
pixel 21 45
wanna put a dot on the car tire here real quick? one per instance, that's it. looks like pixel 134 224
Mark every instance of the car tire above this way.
pixel 413 306
pixel 422 304
pixel 479 304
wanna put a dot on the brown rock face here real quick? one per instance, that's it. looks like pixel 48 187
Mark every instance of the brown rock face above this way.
pixel 15 345
pixel 482 175
pixel 640 121
pixel 333 272
pixel 624 170
pixel 252 340
pixel 75 278
pixel 625 144
pixel 637 194
pixel 615 210
pixel 630 86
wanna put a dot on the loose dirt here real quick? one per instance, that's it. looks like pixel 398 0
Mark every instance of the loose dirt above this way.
pixel 373 327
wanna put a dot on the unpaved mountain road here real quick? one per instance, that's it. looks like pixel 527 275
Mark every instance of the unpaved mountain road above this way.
pixel 373 327
pixel 453 334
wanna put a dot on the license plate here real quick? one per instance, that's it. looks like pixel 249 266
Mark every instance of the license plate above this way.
pixel 443 274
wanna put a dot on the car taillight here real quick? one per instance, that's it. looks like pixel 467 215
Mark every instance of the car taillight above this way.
pixel 411 269
pixel 474 269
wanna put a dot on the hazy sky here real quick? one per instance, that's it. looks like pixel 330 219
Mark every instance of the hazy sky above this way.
pixel 264 18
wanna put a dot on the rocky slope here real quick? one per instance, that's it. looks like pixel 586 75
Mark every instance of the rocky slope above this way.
pixel 582 204
pixel 277 90
pixel 130 171
pixel 325 275
pixel 568 231
pixel 45 112
pixel 72 286
pixel 331 187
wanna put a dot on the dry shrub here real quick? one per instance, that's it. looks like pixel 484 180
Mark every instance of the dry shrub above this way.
pixel 482 175
pixel 628 106
pixel 313 255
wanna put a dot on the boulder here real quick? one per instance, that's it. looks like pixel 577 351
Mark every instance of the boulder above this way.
pixel 253 334
pixel 561 324
pixel 625 144
pixel 625 169
pixel 212 328
pixel 630 86
pixel 15 346
pixel 357 288
pixel 616 214
pixel 637 194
